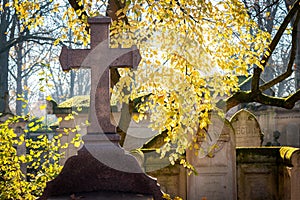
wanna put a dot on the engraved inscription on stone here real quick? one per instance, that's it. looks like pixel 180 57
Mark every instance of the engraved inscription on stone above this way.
pixel 247 129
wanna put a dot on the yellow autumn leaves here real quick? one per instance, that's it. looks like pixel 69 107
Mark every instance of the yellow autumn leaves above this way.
pixel 15 184
pixel 38 155
pixel 192 53
pixel 201 47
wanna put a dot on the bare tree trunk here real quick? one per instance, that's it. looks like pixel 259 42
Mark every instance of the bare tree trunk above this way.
pixel 72 83
pixel 4 96
pixel 19 103
pixel 26 110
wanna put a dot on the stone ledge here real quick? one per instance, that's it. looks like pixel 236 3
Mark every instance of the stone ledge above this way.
pixel 255 154
pixel 286 153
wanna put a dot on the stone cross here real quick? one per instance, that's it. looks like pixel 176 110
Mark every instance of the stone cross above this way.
pixel 100 58
pixel 101 165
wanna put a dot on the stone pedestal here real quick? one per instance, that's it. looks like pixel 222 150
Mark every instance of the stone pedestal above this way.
pixel 84 173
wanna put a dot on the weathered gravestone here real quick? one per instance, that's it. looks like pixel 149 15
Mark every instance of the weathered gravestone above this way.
pixel 247 129
pixel 216 167
pixel 269 173
pixel 258 171
pixel 101 165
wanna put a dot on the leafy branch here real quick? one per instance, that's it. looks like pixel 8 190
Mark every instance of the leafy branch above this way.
pixel 256 95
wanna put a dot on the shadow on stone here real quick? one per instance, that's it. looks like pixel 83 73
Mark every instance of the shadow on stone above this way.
pixel 84 173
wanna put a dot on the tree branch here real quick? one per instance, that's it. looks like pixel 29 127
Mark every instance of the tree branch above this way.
pixel 15 78
pixel 82 14
pixel 255 79
pixel 259 97
pixel 185 12
pixel 257 70
pixel 268 6
pixel 289 69
pixel 24 38
pixel 287 102
pixel 113 7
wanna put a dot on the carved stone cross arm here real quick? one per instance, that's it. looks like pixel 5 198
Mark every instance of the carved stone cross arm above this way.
pixel 74 58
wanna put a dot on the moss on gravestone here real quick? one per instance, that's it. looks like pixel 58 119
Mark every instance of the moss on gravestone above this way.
pixel 257 154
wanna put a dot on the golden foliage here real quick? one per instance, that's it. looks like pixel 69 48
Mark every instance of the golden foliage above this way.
pixel 41 161
pixel 192 53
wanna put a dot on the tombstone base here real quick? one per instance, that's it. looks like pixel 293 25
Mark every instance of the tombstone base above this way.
pixel 104 195
pixel 84 173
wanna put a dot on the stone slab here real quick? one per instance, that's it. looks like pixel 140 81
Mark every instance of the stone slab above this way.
pixel 216 177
